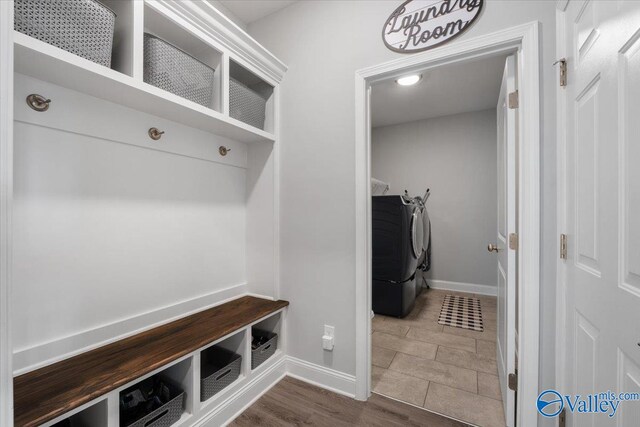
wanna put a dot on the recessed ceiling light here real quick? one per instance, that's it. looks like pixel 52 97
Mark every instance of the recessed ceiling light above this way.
pixel 409 80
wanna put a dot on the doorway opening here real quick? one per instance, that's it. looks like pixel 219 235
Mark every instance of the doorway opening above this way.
pixel 416 359
pixel 438 167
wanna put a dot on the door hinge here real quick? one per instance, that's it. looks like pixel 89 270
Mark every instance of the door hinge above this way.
pixel 513 382
pixel 513 241
pixel 513 99
pixel 563 71
pixel 563 246
pixel 562 418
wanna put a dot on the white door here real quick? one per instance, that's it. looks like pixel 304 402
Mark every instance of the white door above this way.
pixel 602 205
pixel 507 202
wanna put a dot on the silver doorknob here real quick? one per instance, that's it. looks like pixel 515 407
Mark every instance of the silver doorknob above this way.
pixel 492 248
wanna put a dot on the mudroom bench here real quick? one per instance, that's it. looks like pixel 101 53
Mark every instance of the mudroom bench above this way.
pixel 87 387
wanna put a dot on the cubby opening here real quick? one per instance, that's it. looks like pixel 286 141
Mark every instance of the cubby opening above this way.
pixel 173 386
pixel 250 98
pixel 93 416
pixel 265 340
pixel 158 25
pixel 221 365
pixel 64 29
pixel 122 55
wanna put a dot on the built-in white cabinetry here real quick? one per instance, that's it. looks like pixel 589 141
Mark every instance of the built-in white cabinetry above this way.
pixel 186 374
pixel 116 232
pixel 123 83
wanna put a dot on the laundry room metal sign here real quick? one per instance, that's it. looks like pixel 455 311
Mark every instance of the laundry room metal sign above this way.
pixel 419 25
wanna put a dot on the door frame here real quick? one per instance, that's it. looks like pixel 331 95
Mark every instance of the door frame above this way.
pixel 561 201
pixel 523 39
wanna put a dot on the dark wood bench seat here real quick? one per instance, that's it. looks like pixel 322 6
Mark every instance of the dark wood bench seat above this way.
pixel 51 391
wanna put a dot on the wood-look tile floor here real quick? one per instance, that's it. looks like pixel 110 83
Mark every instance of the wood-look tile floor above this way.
pixel 444 369
pixel 294 403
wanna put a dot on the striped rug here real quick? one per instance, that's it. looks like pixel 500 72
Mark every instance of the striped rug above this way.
pixel 461 312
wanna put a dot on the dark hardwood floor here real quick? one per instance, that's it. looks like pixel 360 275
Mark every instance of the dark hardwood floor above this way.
pixel 293 403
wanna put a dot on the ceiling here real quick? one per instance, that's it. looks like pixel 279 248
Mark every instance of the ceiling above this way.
pixel 443 91
pixel 249 11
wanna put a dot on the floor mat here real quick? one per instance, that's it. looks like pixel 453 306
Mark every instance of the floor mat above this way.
pixel 461 312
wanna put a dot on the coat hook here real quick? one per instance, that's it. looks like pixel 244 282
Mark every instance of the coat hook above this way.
pixel 155 134
pixel 223 150
pixel 38 102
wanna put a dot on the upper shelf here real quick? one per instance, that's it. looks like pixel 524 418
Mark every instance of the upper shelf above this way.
pixel 49 63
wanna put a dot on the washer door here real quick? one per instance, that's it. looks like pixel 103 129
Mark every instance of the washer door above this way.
pixel 417 232
pixel 426 226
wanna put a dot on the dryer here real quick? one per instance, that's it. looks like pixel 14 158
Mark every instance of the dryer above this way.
pixel 397 240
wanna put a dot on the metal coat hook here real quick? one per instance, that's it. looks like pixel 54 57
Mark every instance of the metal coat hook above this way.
pixel 155 134
pixel 223 150
pixel 38 102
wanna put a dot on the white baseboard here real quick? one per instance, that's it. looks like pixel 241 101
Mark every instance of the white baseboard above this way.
pixel 327 378
pixel 28 359
pixel 471 288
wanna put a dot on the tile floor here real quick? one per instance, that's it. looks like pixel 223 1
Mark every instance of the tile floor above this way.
pixel 444 369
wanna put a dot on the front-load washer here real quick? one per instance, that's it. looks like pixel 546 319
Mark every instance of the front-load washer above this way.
pixel 397 245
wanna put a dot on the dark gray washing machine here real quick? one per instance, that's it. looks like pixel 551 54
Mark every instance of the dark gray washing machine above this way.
pixel 397 245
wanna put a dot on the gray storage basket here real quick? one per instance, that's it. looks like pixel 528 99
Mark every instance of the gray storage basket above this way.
pixel 82 27
pixel 171 69
pixel 219 368
pixel 266 350
pixel 246 105
pixel 164 416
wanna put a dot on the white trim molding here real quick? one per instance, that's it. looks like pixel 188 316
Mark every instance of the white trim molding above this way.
pixel 6 196
pixel 29 359
pixel 561 202
pixel 523 39
pixel 221 31
pixel 329 379
pixel 472 288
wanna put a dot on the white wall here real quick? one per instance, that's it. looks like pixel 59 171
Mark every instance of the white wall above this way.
pixel 110 226
pixel 456 157
pixel 324 43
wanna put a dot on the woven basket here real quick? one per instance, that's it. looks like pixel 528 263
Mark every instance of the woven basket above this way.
pixel 246 105
pixel 164 416
pixel 171 69
pixel 219 369
pixel 82 27
pixel 266 350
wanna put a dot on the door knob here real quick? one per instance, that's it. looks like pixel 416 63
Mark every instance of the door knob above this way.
pixel 492 248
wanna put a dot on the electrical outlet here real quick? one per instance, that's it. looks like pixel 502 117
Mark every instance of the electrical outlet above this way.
pixel 328 338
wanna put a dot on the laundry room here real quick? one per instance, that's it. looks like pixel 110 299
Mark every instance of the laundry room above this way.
pixel 435 180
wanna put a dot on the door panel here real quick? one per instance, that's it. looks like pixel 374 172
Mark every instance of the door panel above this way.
pixel 586 361
pixel 586 161
pixel 628 380
pixel 602 131
pixel 629 159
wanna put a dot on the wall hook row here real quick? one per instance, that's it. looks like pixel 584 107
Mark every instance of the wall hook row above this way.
pixel 38 102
